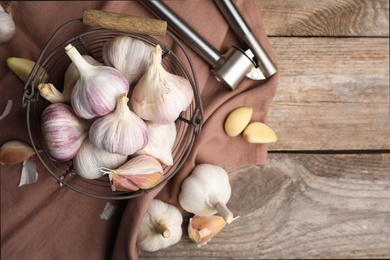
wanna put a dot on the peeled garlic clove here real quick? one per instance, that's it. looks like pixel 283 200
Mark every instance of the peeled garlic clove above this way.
pixel 161 141
pixel 259 133
pixel 202 229
pixel 129 55
pixel 237 120
pixel 63 131
pixel 143 171
pixel 121 131
pixel 160 96
pixel 7 26
pixel 97 88
pixel 23 67
pixel 13 152
pixel 160 227
pixel 90 159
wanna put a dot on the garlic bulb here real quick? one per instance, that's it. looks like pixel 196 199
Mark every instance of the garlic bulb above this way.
pixel 121 131
pixel 140 172
pixel 128 55
pixel 160 227
pixel 161 141
pixel 97 88
pixel 13 152
pixel 160 96
pixel 7 26
pixel 206 191
pixel 90 159
pixel 202 229
pixel 63 131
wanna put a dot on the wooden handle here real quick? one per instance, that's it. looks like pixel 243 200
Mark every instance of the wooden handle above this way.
pixel 125 23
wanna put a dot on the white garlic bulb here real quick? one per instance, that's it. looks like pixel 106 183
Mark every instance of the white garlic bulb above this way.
pixel 161 141
pixel 63 131
pixel 128 55
pixel 90 159
pixel 97 88
pixel 121 131
pixel 206 191
pixel 160 96
pixel 161 227
pixel 7 26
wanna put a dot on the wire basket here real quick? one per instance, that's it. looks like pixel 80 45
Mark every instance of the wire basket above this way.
pixel 55 61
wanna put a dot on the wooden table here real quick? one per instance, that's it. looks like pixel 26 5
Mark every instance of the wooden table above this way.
pixel 325 190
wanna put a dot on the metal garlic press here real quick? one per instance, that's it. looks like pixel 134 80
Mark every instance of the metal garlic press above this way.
pixel 232 67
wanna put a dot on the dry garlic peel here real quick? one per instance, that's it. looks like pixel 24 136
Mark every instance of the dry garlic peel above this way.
pixel 23 67
pixel 140 172
pixel 160 227
pixel 202 229
pixel 7 26
pixel 128 55
pixel 160 96
pixel 63 131
pixel 258 132
pixel 237 120
pixel 206 191
pixel 13 152
pixel 161 141
pixel 121 131
pixel 97 88
pixel 90 159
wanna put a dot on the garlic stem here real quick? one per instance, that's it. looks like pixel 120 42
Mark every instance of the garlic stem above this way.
pixel 77 58
pixel 225 212
pixel 162 229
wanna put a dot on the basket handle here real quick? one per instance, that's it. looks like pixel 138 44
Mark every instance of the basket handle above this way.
pixel 126 23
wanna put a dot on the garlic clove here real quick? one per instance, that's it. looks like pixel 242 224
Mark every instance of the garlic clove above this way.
pixel 129 55
pixel 237 120
pixel 160 96
pixel 97 88
pixel 160 227
pixel 121 131
pixel 161 141
pixel 13 152
pixel 90 160
pixel 143 171
pixel 63 131
pixel 23 67
pixel 7 26
pixel 258 132
pixel 202 229
pixel 50 93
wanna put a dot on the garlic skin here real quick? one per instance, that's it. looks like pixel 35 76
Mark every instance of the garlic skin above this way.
pixel 202 229
pixel 206 191
pixel 14 152
pixel 121 131
pixel 97 88
pixel 7 26
pixel 160 96
pixel 90 159
pixel 63 131
pixel 160 227
pixel 128 55
pixel 161 141
pixel 140 172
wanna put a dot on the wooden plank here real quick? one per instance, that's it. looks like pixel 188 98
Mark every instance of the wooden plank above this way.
pixel 325 18
pixel 333 93
pixel 302 206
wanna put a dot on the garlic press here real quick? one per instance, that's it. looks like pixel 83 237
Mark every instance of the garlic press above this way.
pixel 233 66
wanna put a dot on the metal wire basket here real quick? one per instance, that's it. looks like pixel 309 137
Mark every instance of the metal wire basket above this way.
pixel 54 61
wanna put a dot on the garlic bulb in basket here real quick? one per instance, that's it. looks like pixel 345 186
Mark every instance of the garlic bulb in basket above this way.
pixel 140 172
pixel 121 131
pixel 90 159
pixel 63 131
pixel 128 55
pixel 97 89
pixel 161 141
pixel 160 96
